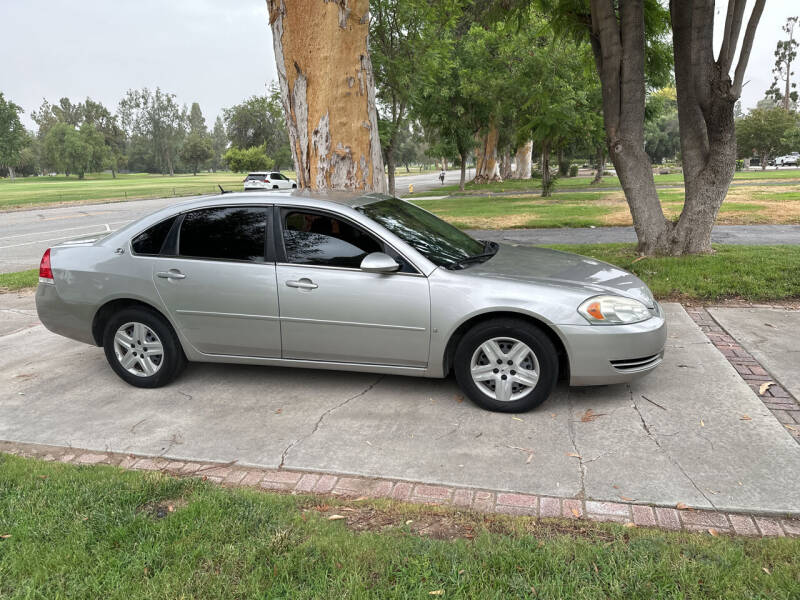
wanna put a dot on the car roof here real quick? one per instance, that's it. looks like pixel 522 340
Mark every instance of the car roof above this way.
pixel 299 197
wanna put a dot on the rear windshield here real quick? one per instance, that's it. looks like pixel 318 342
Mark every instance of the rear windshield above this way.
pixel 253 176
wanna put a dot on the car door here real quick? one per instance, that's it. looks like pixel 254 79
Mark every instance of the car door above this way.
pixel 217 284
pixel 331 310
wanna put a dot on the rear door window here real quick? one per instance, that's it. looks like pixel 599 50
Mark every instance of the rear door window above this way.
pixel 151 241
pixel 225 233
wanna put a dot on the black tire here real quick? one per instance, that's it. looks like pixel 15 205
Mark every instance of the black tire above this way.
pixel 274 187
pixel 170 364
pixel 294 186
pixel 538 342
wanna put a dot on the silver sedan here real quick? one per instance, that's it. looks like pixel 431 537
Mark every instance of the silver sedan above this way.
pixel 368 283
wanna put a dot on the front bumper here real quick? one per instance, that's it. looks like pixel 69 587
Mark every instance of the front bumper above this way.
pixel 606 354
pixel 72 320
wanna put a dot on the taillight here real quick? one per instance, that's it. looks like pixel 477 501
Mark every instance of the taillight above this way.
pixel 45 272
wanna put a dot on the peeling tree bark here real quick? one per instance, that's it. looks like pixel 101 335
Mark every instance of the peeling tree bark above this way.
pixel 487 168
pixel 505 164
pixel 328 92
pixel 523 159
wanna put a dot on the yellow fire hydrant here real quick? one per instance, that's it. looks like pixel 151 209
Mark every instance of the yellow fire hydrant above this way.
pixel 410 188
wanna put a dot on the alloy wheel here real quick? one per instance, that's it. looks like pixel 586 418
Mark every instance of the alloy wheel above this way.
pixel 505 369
pixel 138 349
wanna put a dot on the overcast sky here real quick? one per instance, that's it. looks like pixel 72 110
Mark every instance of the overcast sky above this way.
pixel 210 51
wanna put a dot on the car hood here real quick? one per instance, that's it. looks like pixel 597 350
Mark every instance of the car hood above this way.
pixel 542 265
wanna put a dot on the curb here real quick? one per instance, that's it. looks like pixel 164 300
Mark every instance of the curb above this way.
pixel 479 500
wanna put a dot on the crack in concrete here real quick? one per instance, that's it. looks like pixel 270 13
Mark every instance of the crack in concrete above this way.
pixel 571 432
pixel 650 435
pixel 322 418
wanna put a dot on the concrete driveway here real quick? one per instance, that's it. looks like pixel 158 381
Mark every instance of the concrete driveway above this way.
pixel 676 436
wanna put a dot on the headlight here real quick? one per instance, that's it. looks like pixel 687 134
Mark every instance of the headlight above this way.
pixel 613 310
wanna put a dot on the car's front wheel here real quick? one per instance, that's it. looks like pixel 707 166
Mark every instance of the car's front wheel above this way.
pixel 142 348
pixel 506 365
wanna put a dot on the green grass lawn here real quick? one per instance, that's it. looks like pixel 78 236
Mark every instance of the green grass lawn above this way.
pixel 28 191
pixel 745 205
pixel 754 273
pixel 579 183
pixel 19 280
pixel 100 532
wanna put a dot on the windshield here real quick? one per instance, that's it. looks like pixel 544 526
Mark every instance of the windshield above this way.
pixel 440 242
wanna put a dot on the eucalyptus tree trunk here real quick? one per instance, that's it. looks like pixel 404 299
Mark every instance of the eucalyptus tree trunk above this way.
pixel 328 92
pixel 11 174
pixel 523 160
pixel 505 164
pixel 706 97
pixel 487 168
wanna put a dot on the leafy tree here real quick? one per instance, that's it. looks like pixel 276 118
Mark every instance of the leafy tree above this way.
pixel 624 36
pixel 250 159
pixel 12 135
pixel 97 115
pixel 766 133
pixel 219 143
pixel 258 121
pixel 785 53
pixel 661 134
pixel 196 150
pixel 197 122
pixel 155 125
pixel 405 38
pixel 452 103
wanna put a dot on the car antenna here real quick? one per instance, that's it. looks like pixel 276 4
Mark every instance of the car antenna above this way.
pixel 224 191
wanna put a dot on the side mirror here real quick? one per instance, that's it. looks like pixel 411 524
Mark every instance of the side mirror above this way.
pixel 378 262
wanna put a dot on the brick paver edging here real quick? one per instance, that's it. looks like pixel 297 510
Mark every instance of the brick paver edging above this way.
pixel 296 482
pixel 774 396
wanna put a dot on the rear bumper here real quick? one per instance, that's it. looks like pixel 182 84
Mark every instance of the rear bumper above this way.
pixel 606 354
pixel 69 319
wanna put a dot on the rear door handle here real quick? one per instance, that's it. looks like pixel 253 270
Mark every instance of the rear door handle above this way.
pixel 171 274
pixel 303 284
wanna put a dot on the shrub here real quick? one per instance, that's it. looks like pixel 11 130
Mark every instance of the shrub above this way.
pixel 573 170
pixel 563 168
pixel 251 159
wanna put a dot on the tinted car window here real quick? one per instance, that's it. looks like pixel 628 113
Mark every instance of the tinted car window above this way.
pixel 151 240
pixel 277 176
pixel 230 233
pixel 315 239
pixel 255 177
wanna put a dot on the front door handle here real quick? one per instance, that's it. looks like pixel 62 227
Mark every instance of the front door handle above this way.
pixel 171 274
pixel 303 284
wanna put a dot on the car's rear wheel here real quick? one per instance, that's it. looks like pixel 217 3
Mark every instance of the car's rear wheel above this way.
pixel 506 365
pixel 142 348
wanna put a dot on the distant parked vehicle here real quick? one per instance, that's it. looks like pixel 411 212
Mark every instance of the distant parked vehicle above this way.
pixel 265 180
pixel 788 160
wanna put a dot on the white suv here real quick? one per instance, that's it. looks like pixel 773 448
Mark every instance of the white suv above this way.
pixel 264 180
pixel 792 159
